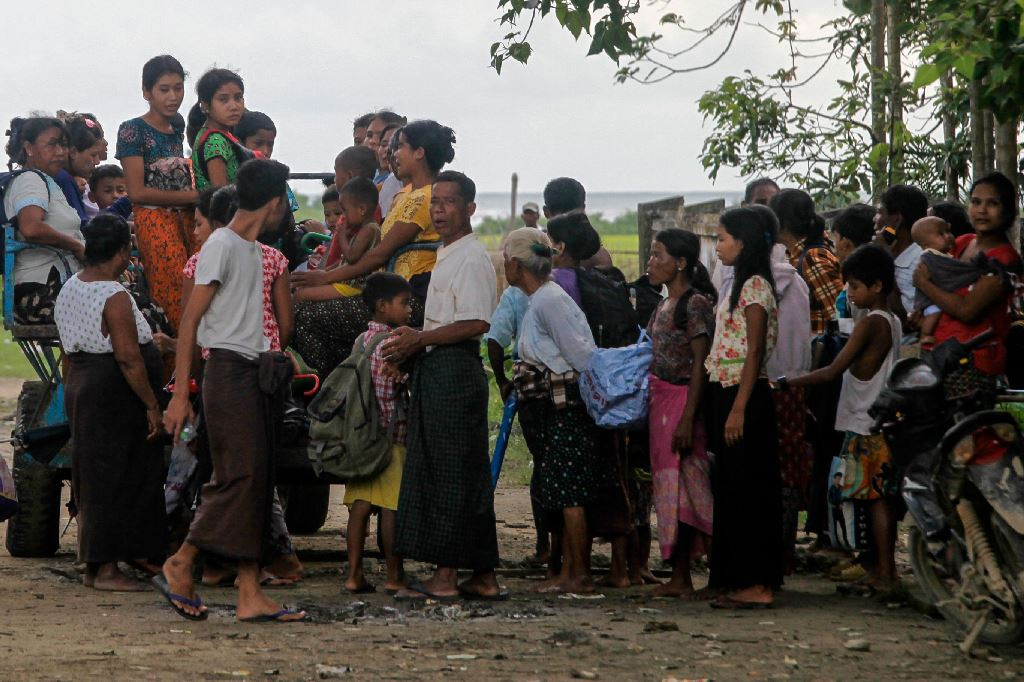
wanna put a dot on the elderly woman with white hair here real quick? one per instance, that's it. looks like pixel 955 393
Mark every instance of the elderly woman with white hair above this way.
pixel 555 345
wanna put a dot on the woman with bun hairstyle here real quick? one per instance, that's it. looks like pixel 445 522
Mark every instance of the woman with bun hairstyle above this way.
pixel 115 375
pixel 41 214
pixel 159 183
pixel 326 330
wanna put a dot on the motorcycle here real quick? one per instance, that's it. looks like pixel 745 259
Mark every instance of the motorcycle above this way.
pixel 963 484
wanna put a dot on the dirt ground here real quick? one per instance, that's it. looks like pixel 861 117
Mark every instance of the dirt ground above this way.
pixel 51 627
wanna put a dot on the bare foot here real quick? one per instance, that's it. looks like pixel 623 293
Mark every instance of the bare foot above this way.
pixel 217 576
pixel 358 585
pixel 396 585
pixel 757 594
pixel 649 578
pixel 117 582
pixel 179 581
pixel 550 584
pixel 484 586
pixel 672 589
pixel 287 566
pixel 260 605
pixel 434 586
pixel 614 582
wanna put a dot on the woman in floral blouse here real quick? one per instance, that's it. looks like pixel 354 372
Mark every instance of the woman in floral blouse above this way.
pixel 746 564
pixel 159 182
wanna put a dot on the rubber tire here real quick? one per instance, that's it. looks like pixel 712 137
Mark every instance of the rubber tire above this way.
pixel 920 560
pixel 35 530
pixel 305 507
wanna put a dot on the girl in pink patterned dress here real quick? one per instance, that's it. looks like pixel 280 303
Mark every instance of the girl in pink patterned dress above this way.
pixel 681 330
pixel 216 206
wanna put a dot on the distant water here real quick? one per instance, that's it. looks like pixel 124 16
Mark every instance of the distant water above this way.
pixel 610 205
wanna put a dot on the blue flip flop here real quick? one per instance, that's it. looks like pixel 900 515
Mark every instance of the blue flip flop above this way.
pixel 160 583
pixel 276 617
pixel 427 594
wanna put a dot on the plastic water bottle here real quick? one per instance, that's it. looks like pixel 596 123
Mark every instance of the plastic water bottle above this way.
pixel 188 432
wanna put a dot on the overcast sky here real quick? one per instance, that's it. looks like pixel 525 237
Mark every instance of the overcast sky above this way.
pixel 314 66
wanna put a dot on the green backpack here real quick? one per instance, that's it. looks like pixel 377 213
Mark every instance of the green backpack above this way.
pixel 347 439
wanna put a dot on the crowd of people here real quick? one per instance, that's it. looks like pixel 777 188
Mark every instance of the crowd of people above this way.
pixel 746 428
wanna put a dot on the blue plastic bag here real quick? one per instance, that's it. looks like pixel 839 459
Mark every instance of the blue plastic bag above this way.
pixel 614 387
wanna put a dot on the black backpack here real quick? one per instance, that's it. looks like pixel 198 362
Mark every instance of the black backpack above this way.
pixel 609 312
pixel 647 296
pixel 5 180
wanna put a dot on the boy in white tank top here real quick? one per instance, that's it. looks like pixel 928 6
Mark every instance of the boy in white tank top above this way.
pixel 864 365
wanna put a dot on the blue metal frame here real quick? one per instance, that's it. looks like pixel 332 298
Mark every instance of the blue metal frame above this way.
pixel 39 343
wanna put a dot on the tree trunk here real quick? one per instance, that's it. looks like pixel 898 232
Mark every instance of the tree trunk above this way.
pixel 894 50
pixel 1006 162
pixel 878 19
pixel 990 141
pixel 979 158
pixel 948 138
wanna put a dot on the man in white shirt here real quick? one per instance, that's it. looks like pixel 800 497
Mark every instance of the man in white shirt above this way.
pixel 899 208
pixel 225 314
pixel 446 504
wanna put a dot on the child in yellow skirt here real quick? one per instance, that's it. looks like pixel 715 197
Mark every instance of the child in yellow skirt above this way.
pixel 387 296
pixel 361 233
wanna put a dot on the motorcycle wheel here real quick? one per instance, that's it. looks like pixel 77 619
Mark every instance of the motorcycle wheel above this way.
pixel 941 583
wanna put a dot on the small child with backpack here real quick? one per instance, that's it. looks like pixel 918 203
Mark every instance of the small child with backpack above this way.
pixel 388 298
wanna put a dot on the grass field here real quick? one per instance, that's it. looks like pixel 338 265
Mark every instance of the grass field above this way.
pixel 13 364
pixel 623 247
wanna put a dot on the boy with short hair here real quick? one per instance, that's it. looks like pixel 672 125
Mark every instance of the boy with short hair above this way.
pixel 107 185
pixel 331 202
pixel 864 364
pixel 242 380
pixel 351 163
pixel 388 297
pixel 358 231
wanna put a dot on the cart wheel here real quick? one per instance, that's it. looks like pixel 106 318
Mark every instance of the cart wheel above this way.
pixel 35 530
pixel 305 506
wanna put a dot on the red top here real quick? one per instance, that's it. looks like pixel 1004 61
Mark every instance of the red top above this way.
pixel 341 232
pixel 990 358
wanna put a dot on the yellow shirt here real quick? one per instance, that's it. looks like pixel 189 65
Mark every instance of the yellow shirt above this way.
pixel 413 206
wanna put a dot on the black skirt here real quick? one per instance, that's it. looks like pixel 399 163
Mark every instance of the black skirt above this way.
pixel 117 475
pixel 446 505
pixel 747 531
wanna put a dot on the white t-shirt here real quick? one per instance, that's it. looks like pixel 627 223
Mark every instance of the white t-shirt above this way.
pixel 78 314
pixel 462 285
pixel 234 320
pixel 388 189
pixel 28 189
pixel 906 263
pixel 555 333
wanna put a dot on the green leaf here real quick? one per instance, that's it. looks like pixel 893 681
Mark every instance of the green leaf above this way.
pixel 879 154
pixel 926 75
pixel 965 65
